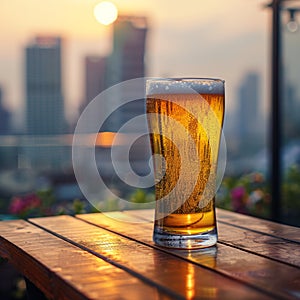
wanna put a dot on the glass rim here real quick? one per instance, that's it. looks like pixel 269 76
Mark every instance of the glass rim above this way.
pixel 187 85
pixel 187 79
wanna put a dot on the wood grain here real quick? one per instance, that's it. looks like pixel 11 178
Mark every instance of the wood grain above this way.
pixel 259 225
pixel 271 247
pixel 184 278
pixel 248 267
pixel 237 234
pixel 64 271
pixel 94 256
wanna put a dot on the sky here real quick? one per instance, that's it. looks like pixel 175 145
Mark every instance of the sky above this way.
pixel 215 38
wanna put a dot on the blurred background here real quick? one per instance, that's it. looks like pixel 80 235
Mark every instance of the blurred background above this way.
pixel 56 56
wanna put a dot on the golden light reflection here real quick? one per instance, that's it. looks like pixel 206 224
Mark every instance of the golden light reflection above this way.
pixel 105 139
pixel 210 293
pixel 101 139
pixel 190 282
pixel 206 257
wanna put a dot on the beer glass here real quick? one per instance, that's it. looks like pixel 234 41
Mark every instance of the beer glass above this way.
pixel 185 118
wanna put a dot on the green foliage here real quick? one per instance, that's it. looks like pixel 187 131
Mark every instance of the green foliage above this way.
pixel 141 196
pixel 47 197
pixel 247 194
pixel 111 204
pixel 78 206
pixel 291 190
pixel 250 194
pixel 32 204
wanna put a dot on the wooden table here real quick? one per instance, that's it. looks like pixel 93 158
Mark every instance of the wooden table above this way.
pixel 93 256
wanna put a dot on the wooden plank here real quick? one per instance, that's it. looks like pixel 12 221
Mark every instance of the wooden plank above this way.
pixel 231 218
pixel 184 278
pixel 251 223
pixel 64 271
pixel 140 215
pixel 262 243
pixel 268 246
pixel 284 280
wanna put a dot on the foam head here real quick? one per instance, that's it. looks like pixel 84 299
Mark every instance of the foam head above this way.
pixel 184 86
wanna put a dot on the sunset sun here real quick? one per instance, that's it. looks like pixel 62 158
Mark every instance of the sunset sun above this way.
pixel 105 12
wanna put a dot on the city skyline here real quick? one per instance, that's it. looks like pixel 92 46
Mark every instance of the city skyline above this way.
pixel 197 39
pixel 224 47
pixel 45 107
pixel 228 40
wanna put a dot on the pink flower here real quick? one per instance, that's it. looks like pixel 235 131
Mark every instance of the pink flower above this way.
pixel 32 201
pixel 239 199
pixel 16 205
pixel 25 204
pixel 238 192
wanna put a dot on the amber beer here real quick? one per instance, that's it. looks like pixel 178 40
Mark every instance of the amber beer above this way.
pixel 185 118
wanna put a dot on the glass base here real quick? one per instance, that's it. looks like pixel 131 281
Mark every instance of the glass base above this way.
pixel 178 241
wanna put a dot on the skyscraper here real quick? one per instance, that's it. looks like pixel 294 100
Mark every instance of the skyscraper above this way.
pixel 44 103
pixel 44 99
pixel 126 62
pixel 7 151
pixel 249 114
pixel 94 76
pixel 290 113
pixel 4 117
pixel 127 58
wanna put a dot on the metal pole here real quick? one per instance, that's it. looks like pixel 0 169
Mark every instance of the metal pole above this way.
pixel 276 93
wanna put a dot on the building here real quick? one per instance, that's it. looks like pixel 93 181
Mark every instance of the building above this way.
pixel 94 76
pixel 5 117
pixel 127 61
pixel 290 113
pixel 44 98
pixel 127 58
pixel 249 116
pixel 7 150
pixel 45 119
